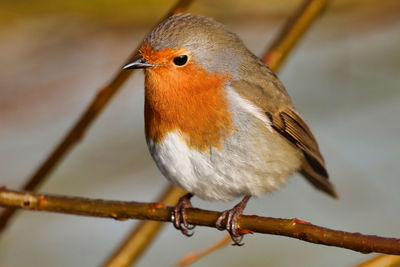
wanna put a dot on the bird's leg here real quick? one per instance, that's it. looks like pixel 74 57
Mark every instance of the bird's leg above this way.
pixel 231 217
pixel 178 216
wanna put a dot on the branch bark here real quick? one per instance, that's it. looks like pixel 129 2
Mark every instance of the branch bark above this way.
pixel 122 210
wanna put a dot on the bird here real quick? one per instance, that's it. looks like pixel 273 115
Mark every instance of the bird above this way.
pixel 218 121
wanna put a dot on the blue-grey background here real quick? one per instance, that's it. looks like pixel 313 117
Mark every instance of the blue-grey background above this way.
pixel 343 77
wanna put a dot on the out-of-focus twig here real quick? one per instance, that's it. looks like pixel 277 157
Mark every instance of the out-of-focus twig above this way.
pixel 142 235
pixel 76 133
pixel 195 256
pixel 293 30
pixel 382 261
pixel 122 210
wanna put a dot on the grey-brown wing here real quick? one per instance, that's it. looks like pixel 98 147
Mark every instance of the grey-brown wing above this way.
pixel 263 88
pixel 291 125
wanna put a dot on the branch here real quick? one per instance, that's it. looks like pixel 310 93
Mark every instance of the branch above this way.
pixel 77 132
pixel 292 32
pixel 382 261
pixel 122 210
pixel 194 256
pixel 142 235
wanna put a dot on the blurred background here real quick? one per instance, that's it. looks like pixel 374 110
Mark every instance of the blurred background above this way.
pixel 343 78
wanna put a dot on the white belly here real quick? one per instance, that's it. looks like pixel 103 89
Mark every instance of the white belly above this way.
pixel 254 159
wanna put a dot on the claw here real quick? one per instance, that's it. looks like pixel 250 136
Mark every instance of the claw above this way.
pixel 178 216
pixel 230 216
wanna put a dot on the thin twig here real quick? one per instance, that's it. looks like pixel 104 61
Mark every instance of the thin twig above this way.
pixel 122 210
pixel 293 30
pixel 382 261
pixel 77 132
pixel 142 235
pixel 197 255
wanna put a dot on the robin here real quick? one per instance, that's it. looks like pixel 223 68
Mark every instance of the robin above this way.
pixel 218 121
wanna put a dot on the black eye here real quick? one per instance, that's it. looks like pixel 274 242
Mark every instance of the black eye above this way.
pixel 181 60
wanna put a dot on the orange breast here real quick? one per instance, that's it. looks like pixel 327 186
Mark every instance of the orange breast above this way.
pixel 186 99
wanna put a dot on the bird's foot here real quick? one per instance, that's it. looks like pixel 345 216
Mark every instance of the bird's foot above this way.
pixel 178 216
pixel 230 218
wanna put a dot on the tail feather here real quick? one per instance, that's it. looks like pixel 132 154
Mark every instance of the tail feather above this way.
pixel 317 178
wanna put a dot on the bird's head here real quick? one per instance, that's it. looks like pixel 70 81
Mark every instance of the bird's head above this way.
pixel 184 44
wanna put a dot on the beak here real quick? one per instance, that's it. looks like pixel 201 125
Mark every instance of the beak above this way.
pixel 139 63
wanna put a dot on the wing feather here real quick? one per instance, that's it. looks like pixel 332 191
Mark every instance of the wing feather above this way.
pixel 291 125
pixel 264 89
